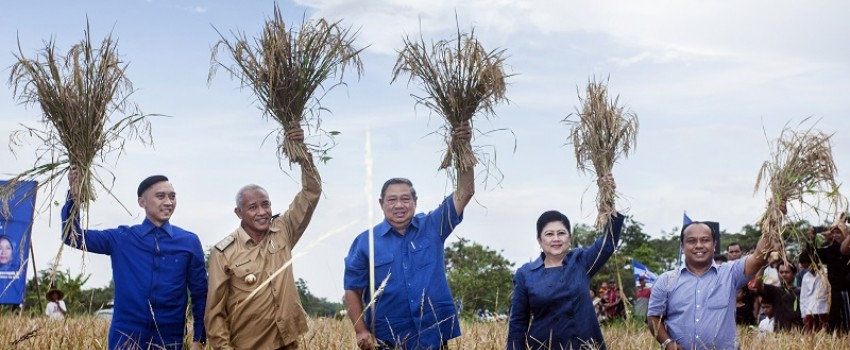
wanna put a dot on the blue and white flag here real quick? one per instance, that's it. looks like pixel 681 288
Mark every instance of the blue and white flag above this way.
pixel 640 270
pixel 685 222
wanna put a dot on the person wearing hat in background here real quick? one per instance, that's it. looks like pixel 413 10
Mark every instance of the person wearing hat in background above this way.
pixel 55 305
pixel 551 306
pixel 837 271
pixel 156 267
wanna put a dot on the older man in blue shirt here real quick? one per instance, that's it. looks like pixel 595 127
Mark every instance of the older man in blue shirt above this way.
pixel 693 306
pixel 156 266
pixel 415 309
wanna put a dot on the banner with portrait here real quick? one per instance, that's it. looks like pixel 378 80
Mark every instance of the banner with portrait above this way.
pixel 15 229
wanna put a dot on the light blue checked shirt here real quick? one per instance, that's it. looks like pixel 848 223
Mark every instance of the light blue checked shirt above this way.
pixel 699 311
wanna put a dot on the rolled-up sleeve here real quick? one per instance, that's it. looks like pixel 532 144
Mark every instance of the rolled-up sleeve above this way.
pixel 738 277
pixel 356 267
pixel 658 296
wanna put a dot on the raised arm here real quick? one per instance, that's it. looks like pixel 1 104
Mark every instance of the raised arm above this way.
pixel 72 234
pixel 300 211
pixel 758 283
pixel 465 177
pixel 757 260
pixel 598 253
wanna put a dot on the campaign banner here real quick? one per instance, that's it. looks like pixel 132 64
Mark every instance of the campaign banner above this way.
pixel 15 230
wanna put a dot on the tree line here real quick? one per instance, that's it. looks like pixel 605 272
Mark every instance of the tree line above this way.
pixel 480 277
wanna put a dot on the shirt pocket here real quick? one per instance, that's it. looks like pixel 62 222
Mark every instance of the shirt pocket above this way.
pixel 718 297
pixel 238 280
pixel 383 266
pixel 274 246
pixel 422 255
pixel 174 269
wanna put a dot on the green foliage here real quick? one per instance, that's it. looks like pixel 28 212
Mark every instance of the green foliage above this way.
pixel 97 298
pixel 72 286
pixel 313 305
pixel 479 277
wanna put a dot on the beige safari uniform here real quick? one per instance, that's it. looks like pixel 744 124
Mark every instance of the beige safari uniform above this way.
pixel 274 317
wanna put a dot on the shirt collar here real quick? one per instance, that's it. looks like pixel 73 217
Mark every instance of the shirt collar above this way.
pixel 148 227
pixel 714 266
pixel 538 263
pixel 243 237
pixel 384 227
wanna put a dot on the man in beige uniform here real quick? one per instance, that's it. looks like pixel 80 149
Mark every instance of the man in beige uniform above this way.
pixel 273 318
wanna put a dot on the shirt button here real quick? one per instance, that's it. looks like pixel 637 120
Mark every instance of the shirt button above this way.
pixel 697 320
pixel 697 306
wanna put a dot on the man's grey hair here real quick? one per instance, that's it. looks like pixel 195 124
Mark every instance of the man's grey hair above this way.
pixel 247 188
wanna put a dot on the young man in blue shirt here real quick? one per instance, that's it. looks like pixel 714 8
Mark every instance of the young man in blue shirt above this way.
pixel 415 309
pixel 156 266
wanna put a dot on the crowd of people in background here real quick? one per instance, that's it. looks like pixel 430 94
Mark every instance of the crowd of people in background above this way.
pixel 608 302
pixel 808 291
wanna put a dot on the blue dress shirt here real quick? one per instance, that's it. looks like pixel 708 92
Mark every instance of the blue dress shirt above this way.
pixel 416 309
pixel 699 311
pixel 155 269
pixel 551 307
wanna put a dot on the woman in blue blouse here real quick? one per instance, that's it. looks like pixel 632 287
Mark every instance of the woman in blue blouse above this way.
pixel 551 306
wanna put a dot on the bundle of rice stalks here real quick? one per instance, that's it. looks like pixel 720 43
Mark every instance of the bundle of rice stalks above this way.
pixel 603 132
pixel 460 78
pixel 78 95
pixel 285 66
pixel 801 168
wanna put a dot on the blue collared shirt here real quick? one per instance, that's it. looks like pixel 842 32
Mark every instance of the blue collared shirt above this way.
pixel 551 307
pixel 415 309
pixel 699 311
pixel 155 270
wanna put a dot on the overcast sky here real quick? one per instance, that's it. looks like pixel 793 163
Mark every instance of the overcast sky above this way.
pixel 711 81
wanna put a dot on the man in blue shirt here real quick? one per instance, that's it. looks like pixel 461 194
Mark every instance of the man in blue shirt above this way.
pixel 156 266
pixel 693 306
pixel 413 309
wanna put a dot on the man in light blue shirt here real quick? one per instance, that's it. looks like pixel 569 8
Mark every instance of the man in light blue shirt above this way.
pixel 693 306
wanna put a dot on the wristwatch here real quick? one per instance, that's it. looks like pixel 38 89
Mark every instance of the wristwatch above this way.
pixel 665 343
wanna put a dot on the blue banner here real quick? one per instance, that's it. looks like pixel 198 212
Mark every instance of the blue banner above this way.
pixel 15 230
